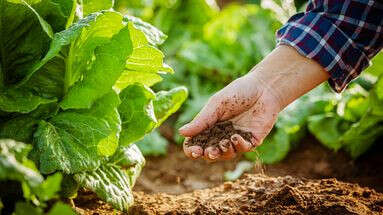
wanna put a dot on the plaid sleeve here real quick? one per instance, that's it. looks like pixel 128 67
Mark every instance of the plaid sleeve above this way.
pixel 341 35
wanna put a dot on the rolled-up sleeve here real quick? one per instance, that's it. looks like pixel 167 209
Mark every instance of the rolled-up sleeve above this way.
pixel 341 35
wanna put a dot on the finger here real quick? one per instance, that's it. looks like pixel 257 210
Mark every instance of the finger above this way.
pixel 205 119
pixel 255 142
pixel 227 149
pixel 240 144
pixel 224 145
pixel 192 152
pixel 211 153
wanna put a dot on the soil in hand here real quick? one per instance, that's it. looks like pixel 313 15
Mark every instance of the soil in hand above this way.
pixel 212 136
pixel 259 194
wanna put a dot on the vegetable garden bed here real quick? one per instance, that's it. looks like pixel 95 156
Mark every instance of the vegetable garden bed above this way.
pixel 175 184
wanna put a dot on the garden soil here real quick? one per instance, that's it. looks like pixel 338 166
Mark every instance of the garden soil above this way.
pixel 260 194
pixel 177 185
pixel 212 136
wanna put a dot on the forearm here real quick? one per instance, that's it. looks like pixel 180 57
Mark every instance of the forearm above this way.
pixel 288 74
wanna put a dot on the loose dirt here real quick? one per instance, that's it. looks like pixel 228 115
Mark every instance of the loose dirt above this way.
pixel 177 174
pixel 175 179
pixel 259 194
pixel 213 136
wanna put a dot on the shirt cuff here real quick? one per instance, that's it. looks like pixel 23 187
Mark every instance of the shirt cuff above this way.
pixel 317 38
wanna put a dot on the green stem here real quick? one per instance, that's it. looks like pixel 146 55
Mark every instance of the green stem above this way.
pixel 68 70
pixel 72 14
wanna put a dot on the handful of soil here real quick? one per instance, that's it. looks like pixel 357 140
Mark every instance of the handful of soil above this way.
pixel 213 135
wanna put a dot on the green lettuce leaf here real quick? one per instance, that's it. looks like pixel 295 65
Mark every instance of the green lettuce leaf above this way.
pixel 81 54
pixel 20 128
pixel 14 164
pixel 49 188
pixel 29 28
pixel 45 26
pixel 60 40
pixel 61 209
pixel 110 183
pixel 358 139
pixel 141 110
pixel 109 62
pixel 65 9
pixel 153 35
pixel 328 129
pixel 137 113
pixel 153 144
pixel 22 101
pixel 49 80
pixel 69 142
pixel 130 159
pixel 91 6
pixel 79 139
pixel 22 208
pixel 168 102
pixel 106 108
pixel 132 77
pixel 69 187
pixel 114 180
pixel 22 41
pixel 145 58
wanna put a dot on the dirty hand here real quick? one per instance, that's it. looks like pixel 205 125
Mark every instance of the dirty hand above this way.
pixel 253 102
pixel 249 104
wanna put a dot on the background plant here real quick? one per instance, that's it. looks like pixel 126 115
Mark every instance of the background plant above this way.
pixel 74 87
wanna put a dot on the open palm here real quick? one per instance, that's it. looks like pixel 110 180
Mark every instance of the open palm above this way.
pixel 249 104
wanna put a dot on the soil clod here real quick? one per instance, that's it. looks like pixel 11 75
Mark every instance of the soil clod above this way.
pixel 219 135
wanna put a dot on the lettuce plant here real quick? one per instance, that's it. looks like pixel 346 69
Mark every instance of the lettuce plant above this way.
pixel 74 86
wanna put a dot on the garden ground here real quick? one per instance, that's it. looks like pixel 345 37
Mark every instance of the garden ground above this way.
pixel 177 185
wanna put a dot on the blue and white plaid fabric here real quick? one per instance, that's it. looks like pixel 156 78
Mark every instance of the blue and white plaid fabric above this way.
pixel 341 35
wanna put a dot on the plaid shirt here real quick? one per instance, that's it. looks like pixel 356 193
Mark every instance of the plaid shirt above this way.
pixel 341 35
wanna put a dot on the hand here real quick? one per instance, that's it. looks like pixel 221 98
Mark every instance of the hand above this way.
pixel 252 102
pixel 249 104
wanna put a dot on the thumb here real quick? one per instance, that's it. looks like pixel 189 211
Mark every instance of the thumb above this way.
pixel 206 118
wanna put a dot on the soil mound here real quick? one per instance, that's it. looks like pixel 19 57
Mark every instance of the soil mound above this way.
pixel 259 194
pixel 212 136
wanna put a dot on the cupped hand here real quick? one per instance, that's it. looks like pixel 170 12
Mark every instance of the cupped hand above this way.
pixel 249 104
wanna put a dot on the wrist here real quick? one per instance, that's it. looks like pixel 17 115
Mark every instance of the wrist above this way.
pixel 287 75
pixel 266 88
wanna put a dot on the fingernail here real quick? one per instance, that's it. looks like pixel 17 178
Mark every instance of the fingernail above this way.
pixel 223 147
pixel 194 155
pixel 213 157
pixel 234 139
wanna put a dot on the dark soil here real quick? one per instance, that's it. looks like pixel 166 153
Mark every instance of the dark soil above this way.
pixel 213 136
pixel 259 194
pixel 176 174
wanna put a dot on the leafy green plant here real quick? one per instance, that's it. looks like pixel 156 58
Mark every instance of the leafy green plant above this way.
pixel 74 86
pixel 14 165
